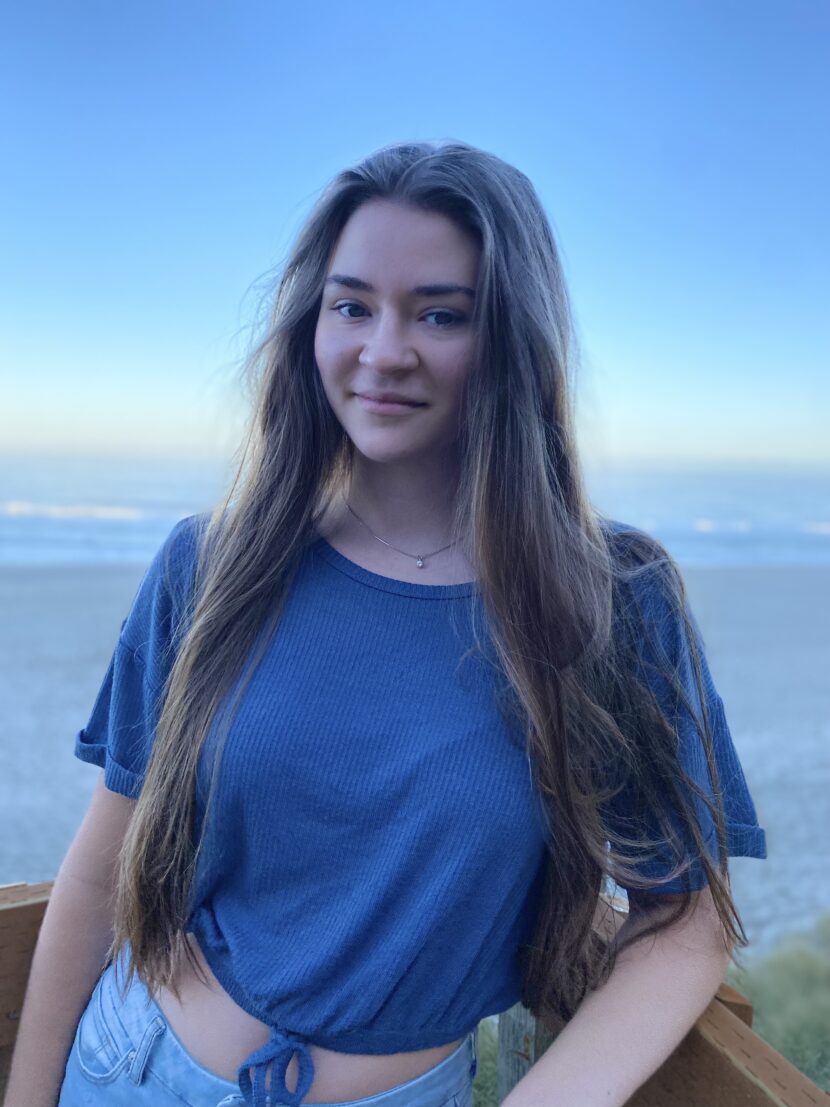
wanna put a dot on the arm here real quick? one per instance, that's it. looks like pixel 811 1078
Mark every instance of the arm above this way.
pixel 623 1031
pixel 69 955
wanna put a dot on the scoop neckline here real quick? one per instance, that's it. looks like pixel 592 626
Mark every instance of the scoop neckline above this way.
pixel 390 584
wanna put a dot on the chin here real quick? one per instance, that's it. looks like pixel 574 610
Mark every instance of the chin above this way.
pixel 383 457
pixel 390 451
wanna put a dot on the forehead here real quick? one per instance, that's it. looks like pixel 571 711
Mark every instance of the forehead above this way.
pixel 383 239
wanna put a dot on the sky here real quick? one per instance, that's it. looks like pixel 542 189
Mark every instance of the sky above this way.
pixel 160 157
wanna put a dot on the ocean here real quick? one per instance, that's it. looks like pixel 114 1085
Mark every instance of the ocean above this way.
pixel 92 511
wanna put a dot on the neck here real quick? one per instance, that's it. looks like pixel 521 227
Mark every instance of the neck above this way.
pixel 409 505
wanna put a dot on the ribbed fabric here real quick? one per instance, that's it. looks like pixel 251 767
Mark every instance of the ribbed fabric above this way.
pixel 374 856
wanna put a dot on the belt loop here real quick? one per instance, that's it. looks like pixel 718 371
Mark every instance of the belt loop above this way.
pixel 474 1062
pixel 139 1060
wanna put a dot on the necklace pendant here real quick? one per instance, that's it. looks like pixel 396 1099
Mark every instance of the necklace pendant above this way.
pixel 419 561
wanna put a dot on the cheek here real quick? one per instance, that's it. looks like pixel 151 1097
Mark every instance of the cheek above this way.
pixel 320 347
pixel 333 352
pixel 458 370
pixel 326 355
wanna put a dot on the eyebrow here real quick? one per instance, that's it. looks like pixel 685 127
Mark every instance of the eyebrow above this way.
pixel 420 290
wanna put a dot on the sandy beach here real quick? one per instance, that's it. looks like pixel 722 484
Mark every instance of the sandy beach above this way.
pixel 765 631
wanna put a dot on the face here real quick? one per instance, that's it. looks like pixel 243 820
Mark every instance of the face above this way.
pixel 386 325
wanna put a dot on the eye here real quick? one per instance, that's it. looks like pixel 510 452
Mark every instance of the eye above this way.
pixel 451 317
pixel 348 304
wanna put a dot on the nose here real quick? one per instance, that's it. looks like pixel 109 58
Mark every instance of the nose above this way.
pixel 387 346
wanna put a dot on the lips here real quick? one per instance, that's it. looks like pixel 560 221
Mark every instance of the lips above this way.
pixel 390 398
pixel 388 408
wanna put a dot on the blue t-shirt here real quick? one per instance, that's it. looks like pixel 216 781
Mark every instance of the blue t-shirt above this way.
pixel 375 852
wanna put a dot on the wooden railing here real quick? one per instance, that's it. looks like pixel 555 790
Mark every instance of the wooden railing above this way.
pixel 720 1062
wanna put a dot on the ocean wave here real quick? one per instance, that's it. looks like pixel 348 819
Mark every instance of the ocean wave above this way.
pixel 30 510
pixel 730 526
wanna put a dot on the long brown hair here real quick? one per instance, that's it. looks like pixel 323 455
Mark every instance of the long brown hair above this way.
pixel 558 581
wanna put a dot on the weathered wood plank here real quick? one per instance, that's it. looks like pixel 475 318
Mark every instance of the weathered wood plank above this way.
pixel 22 907
pixel 723 1063
pixel 733 1000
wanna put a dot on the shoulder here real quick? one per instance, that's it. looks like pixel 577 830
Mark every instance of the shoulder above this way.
pixel 632 547
pixel 178 553
pixel 160 604
pixel 639 558
pixel 651 603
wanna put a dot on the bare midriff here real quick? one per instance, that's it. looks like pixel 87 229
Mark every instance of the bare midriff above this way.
pixel 218 1034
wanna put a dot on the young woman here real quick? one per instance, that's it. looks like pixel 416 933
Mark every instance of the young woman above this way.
pixel 378 727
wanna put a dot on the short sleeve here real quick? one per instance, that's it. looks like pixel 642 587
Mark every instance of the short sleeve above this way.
pixel 119 734
pixel 664 642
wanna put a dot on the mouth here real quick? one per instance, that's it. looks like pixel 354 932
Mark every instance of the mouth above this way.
pixel 387 407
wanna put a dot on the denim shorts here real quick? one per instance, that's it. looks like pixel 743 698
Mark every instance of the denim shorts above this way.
pixel 125 1053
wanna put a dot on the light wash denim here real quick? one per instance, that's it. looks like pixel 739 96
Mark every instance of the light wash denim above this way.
pixel 126 1054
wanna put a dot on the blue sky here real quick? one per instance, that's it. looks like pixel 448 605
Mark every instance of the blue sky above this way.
pixel 160 157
